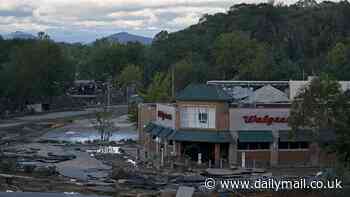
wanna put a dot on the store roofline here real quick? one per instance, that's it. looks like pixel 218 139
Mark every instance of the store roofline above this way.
pixel 252 83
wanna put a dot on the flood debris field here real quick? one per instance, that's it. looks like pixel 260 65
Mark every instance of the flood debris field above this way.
pixel 63 156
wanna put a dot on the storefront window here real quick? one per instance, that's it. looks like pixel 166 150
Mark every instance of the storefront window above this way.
pixel 203 117
pixel 197 117
pixel 283 145
pixel 254 146
pixel 304 145
pixel 293 145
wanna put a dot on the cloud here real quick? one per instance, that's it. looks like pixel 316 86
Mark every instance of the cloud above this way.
pixel 69 19
pixel 22 11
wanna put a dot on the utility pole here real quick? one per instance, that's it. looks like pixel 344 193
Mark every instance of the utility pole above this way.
pixel 109 93
pixel 173 82
pixel 303 75
pixel 127 93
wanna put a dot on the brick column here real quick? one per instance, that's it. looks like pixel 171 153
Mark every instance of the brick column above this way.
pixel 232 154
pixel 165 147
pixel 145 114
pixel 274 149
pixel 217 154
pixel 232 150
pixel 314 154
pixel 178 149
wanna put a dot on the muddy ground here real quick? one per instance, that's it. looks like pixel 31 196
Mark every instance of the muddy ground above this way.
pixel 59 153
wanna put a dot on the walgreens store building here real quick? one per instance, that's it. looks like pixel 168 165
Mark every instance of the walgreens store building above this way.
pixel 262 137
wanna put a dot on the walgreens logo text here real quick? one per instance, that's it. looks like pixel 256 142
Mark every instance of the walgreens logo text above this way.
pixel 269 120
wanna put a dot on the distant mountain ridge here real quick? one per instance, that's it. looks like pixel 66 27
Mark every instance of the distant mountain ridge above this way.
pixel 19 35
pixel 124 37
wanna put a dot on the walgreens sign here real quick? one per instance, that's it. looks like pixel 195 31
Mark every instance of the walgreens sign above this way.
pixel 268 120
pixel 163 115
pixel 166 115
pixel 250 119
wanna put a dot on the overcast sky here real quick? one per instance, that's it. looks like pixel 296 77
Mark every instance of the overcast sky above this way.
pixel 86 20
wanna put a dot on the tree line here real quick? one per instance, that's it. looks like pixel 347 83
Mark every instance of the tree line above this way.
pixel 323 108
pixel 264 41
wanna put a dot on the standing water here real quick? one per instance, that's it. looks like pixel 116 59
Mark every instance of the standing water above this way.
pixel 83 131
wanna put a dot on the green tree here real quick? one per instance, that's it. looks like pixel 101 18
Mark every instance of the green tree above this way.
pixel 159 89
pixel 237 56
pixel 38 70
pixel 184 74
pixel 131 74
pixel 162 35
pixel 133 113
pixel 79 55
pixel 338 55
pixel 104 125
pixel 323 106
pixel 317 105
pixel 338 61
pixel 107 58
pixel 342 128
pixel 306 3
pixel 43 36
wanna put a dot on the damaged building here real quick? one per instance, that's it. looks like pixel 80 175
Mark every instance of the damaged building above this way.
pixel 232 123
